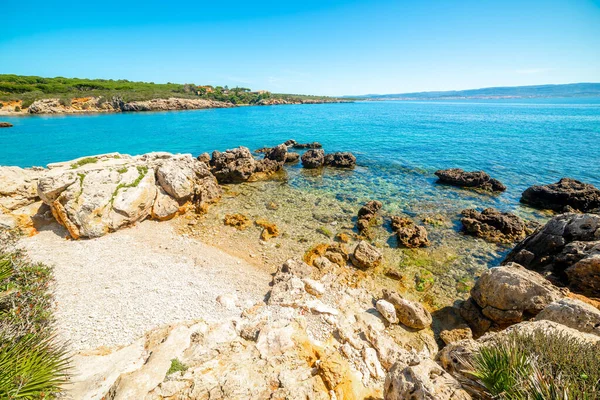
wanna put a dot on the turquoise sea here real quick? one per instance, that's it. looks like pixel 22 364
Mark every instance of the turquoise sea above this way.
pixel 399 144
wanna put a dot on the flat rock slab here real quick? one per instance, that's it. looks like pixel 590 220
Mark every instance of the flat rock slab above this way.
pixel 111 290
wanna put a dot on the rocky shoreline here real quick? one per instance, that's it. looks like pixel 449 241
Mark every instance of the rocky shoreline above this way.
pixel 328 327
pixel 85 105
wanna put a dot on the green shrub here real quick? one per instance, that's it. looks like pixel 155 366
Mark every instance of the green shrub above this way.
pixel 539 365
pixel 176 366
pixel 17 108
pixel 84 161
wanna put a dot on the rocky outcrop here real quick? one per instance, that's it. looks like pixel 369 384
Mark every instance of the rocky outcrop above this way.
pixel 496 226
pixel 238 165
pixel 18 187
pixel 5 125
pixel 366 214
pixel 507 295
pixel 573 313
pixel 93 196
pixel 292 157
pixel 564 195
pixel 116 104
pixel 340 160
pixel 567 249
pixel 312 145
pixel 409 234
pixel 475 180
pixel 366 256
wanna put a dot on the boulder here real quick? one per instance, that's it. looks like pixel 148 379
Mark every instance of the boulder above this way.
pixel 313 159
pixel 5 125
pixel 367 213
pixel 96 195
pixel 238 165
pixel 509 294
pixel 496 226
pixel 366 256
pixel 18 187
pixel 204 157
pixel 573 313
pixel 277 153
pixel 409 234
pixel 567 248
pixel 425 380
pixel 562 195
pixel 340 160
pixel 476 179
pixel 461 332
pixel 388 311
pixel 409 313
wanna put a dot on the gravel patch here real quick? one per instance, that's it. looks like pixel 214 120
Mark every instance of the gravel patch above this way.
pixel 111 290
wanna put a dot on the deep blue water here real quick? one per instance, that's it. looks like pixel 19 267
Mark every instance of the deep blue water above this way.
pixel 398 144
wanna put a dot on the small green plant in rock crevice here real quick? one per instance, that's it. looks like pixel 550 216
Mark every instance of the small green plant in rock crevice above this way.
pixel 142 171
pixel 84 161
pixel 176 366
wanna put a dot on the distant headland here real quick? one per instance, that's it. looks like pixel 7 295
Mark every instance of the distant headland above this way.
pixel 507 92
pixel 37 95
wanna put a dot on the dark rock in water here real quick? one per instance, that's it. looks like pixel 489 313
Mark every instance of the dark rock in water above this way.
pixel 496 226
pixel 563 194
pixel 204 157
pixel 262 150
pixel 410 234
pixel 277 153
pixel 313 159
pixel 475 179
pixel 567 248
pixel 290 142
pixel 238 165
pixel 367 213
pixel 292 157
pixel 340 160
pixel 313 145
pixel 5 125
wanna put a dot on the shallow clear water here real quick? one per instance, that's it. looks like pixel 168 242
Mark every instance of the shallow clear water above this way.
pixel 399 145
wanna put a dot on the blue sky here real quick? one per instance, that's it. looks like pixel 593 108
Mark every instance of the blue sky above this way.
pixel 330 47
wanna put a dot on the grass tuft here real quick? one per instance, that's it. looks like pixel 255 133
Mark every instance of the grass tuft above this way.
pixel 84 161
pixel 176 366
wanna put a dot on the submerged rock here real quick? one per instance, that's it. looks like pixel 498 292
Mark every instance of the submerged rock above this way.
pixel 340 160
pixel 269 231
pixel 409 234
pixel 313 159
pixel 562 195
pixel 476 179
pixel 567 248
pixel 495 226
pixel 5 125
pixel 292 157
pixel 238 221
pixel 367 213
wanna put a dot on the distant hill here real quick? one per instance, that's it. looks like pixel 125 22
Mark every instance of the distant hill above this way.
pixel 567 90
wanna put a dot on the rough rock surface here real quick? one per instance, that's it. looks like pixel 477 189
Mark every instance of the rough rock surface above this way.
pixel 410 234
pixel 573 313
pixel 312 145
pixel 366 255
pixel 340 160
pixel 425 380
pixel 476 179
pixel 366 214
pixel 96 195
pixel 567 248
pixel 562 195
pixel 237 165
pixel 292 157
pixel 5 125
pixel 495 226
pixel 313 159
pixel 409 313
pixel 18 187
pixel 511 293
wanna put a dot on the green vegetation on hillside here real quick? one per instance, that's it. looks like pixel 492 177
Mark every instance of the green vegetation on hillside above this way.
pixel 32 365
pixel 31 88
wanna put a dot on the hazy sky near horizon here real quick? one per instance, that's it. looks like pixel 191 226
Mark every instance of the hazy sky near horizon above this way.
pixel 331 47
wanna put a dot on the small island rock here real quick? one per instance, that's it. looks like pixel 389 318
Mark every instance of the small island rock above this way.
pixel 475 179
pixel 562 195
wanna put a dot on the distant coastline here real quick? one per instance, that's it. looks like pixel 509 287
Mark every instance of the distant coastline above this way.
pixel 496 93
